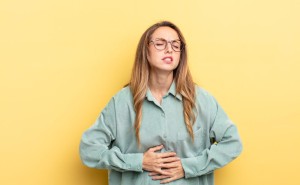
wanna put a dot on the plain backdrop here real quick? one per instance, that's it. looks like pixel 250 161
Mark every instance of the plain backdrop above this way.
pixel 62 60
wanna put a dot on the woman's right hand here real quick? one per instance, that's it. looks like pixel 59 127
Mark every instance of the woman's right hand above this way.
pixel 155 162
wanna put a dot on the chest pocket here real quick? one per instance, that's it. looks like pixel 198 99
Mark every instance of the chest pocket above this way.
pixel 185 145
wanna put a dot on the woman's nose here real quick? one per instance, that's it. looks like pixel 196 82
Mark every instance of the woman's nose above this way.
pixel 169 47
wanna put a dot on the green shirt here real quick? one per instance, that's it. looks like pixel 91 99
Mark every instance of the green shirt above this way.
pixel 110 143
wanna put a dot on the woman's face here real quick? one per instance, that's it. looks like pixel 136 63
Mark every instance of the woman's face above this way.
pixel 163 60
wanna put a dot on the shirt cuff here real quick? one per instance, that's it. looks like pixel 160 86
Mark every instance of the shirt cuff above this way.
pixel 194 166
pixel 188 167
pixel 134 162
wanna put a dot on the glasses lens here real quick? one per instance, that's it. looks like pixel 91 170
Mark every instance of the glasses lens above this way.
pixel 176 45
pixel 160 44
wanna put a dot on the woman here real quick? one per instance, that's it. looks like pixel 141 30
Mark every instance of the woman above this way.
pixel 161 128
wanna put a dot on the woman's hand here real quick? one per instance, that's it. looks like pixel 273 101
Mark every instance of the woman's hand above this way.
pixel 155 162
pixel 174 170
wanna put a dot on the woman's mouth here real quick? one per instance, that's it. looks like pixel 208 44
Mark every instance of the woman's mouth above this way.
pixel 167 59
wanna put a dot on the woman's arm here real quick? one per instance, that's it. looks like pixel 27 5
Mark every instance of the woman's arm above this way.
pixel 96 150
pixel 226 148
pixel 95 145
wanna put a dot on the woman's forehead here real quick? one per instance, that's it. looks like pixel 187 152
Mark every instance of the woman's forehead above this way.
pixel 165 33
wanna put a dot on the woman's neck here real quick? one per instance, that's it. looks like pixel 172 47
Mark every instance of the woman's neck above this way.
pixel 159 84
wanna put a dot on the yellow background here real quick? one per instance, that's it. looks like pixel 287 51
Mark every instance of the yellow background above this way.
pixel 62 60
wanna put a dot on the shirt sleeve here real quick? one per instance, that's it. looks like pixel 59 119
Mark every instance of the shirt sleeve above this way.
pixel 95 145
pixel 227 145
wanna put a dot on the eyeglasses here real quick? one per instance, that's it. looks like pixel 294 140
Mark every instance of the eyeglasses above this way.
pixel 161 44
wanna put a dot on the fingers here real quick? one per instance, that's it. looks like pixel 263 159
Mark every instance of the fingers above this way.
pixel 167 180
pixel 168 173
pixel 161 173
pixel 155 162
pixel 159 177
pixel 170 165
pixel 153 174
pixel 165 173
pixel 156 148
pixel 167 154
pixel 161 155
pixel 170 159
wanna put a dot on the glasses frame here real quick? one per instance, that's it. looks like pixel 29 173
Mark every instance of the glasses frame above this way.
pixel 182 44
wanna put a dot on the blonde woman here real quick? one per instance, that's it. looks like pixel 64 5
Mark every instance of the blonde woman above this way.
pixel 161 127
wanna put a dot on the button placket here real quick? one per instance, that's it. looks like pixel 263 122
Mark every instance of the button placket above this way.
pixel 165 127
pixel 163 117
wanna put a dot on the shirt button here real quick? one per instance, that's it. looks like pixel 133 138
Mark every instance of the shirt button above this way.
pixel 163 114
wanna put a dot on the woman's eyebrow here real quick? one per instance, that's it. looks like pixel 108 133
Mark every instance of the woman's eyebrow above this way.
pixel 159 38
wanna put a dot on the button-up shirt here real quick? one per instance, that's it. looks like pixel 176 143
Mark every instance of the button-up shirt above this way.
pixel 110 143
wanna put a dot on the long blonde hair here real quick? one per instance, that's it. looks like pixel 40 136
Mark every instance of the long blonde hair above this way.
pixel 182 76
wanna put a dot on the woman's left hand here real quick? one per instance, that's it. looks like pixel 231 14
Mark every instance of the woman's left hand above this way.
pixel 174 168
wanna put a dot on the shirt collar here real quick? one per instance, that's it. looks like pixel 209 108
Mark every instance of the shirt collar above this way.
pixel 172 90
